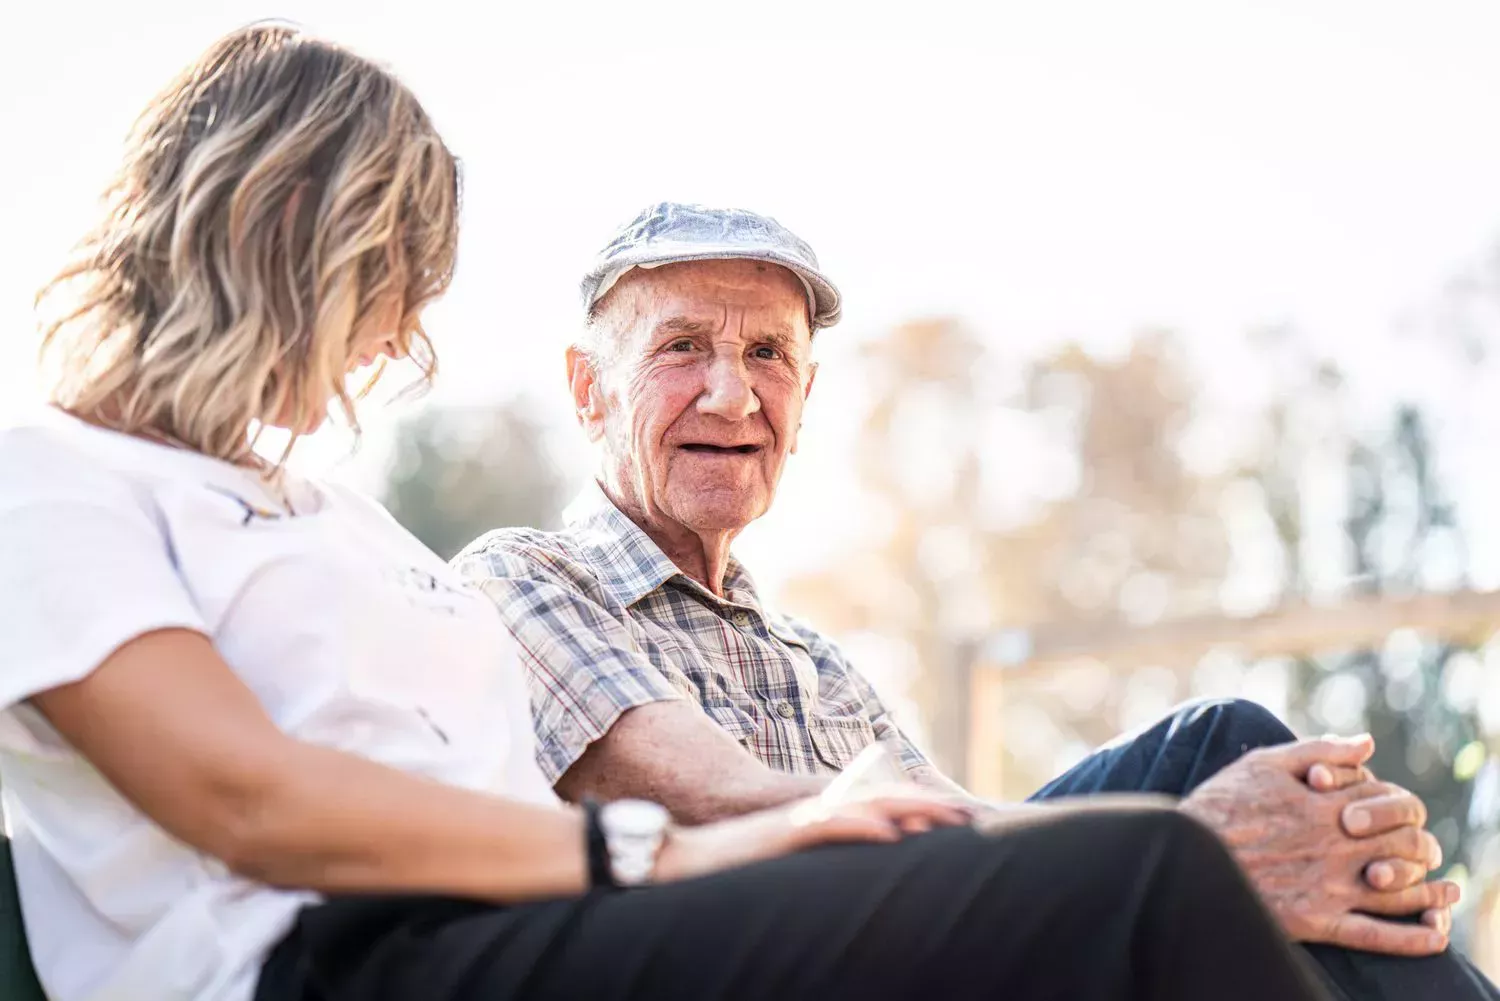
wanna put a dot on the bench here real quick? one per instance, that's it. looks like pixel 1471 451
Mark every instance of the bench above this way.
pixel 17 978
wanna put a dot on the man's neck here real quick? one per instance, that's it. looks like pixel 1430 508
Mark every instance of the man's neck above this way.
pixel 702 556
pixel 705 558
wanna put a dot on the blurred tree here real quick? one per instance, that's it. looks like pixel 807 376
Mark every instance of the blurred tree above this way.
pixel 1121 531
pixel 456 474
pixel 1065 508
pixel 1139 537
pixel 1399 535
pixel 1397 521
pixel 914 586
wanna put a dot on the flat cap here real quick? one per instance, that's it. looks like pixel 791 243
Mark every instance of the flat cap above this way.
pixel 671 232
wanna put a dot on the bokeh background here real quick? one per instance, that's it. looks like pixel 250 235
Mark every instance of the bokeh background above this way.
pixel 1171 359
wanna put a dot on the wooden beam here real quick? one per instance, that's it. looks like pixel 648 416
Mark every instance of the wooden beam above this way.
pixel 986 771
pixel 1298 628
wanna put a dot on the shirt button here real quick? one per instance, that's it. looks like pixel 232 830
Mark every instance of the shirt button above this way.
pixel 742 618
pixel 785 710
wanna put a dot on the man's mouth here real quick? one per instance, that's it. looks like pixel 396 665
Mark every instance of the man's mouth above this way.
pixel 720 449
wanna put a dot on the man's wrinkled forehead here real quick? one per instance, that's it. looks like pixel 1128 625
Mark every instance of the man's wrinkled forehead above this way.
pixel 695 293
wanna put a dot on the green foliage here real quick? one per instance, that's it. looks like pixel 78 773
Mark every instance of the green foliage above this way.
pixel 1398 525
pixel 456 474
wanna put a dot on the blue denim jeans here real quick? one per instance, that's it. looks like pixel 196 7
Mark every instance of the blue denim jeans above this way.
pixel 1178 754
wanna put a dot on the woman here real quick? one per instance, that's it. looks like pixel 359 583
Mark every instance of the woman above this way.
pixel 259 743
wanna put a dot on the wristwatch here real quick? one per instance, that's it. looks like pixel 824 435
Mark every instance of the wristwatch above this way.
pixel 634 830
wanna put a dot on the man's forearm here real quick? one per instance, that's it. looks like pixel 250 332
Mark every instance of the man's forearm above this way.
pixel 672 754
pixel 691 803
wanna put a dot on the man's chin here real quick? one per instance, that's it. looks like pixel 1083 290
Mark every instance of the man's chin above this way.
pixel 731 514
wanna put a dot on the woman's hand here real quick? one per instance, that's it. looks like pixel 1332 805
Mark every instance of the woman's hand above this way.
pixel 696 851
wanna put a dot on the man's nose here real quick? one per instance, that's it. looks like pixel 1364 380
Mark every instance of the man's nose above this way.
pixel 727 392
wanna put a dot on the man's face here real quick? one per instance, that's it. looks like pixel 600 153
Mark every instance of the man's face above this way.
pixel 701 396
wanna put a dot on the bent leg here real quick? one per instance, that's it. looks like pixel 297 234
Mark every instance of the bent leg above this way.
pixel 1175 755
pixel 1183 750
pixel 1092 906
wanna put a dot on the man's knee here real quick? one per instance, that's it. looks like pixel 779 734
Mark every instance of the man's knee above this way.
pixel 1230 721
pixel 1175 754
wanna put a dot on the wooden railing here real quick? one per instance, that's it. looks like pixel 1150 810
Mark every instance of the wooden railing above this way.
pixel 1292 629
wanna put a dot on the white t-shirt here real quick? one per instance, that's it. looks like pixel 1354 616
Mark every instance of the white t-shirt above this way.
pixel 349 631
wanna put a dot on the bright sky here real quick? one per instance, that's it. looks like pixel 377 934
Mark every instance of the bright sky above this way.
pixel 1045 170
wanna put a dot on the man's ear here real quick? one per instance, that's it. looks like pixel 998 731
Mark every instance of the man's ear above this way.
pixel 812 375
pixel 588 399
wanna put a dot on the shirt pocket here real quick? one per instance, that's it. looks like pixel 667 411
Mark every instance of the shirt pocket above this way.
pixel 839 739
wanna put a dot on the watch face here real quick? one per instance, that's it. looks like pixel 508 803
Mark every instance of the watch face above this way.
pixel 634 818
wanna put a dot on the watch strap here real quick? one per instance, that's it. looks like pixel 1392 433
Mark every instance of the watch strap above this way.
pixel 601 872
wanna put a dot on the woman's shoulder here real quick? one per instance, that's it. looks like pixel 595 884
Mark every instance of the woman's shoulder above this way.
pixel 352 500
pixel 51 456
pixel 45 457
pixel 357 508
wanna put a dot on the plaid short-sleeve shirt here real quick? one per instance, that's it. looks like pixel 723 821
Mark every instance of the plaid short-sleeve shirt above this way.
pixel 606 622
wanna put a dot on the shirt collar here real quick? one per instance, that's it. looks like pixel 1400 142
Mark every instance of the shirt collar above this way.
pixel 628 563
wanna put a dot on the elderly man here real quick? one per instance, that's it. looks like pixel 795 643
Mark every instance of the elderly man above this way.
pixel 658 672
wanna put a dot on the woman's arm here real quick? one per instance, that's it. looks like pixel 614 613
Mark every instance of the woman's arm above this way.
pixel 167 722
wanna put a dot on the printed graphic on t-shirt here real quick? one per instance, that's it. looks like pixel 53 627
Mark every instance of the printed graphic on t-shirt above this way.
pixel 425 590
pixel 252 512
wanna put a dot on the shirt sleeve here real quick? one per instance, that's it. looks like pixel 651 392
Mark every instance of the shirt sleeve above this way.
pixel 830 657
pixel 85 569
pixel 910 756
pixel 583 665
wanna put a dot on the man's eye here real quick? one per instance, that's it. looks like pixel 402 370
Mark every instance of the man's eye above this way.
pixel 682 345
pixel 768 353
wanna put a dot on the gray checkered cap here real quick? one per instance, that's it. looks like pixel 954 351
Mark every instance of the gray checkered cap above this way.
pixel 670 232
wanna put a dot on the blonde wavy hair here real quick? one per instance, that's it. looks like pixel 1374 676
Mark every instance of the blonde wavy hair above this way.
pixel 280 195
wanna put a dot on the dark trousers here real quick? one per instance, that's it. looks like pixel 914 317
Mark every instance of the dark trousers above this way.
pixel 1125 905
pixel 1178 754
